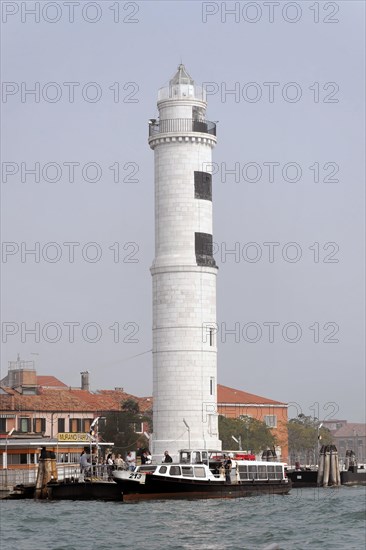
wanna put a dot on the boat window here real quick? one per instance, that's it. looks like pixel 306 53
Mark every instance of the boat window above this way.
pixel 196 457
pixel 175 471
pixel 187 471
pixel 163 469
pixel 204 457
pixel 253 474
pixel 199 471
pixel 270 468
pixel 243 472
pixel 185 457
pixel 262 472
pixel 279 472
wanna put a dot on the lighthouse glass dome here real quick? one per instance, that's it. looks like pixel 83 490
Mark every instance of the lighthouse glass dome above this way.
pixel 182 86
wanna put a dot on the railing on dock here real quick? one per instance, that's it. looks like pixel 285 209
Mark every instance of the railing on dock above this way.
pixel 11 477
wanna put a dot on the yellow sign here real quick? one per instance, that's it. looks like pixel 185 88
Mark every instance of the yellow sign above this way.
pixel 76 437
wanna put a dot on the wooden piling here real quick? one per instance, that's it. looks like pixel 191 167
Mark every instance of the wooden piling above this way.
pixel 326 467
pixel 319 480
pixel 47 471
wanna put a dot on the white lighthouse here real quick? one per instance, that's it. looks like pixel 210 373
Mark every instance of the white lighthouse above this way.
pixel 184 271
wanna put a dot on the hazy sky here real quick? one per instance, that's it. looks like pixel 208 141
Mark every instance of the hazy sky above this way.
pixel 292 128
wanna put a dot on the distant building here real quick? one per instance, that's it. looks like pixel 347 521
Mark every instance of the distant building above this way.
pixel 348 436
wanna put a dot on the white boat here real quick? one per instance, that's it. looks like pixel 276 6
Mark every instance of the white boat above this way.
pixel 197 475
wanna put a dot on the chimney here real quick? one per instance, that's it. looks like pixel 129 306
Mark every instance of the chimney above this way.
pixel 85 380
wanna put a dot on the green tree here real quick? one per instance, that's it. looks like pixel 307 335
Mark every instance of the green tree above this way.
pixel 120 428
pixel 303 439
pixel 255 435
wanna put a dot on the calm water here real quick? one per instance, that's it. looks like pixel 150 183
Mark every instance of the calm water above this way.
pixel 313 519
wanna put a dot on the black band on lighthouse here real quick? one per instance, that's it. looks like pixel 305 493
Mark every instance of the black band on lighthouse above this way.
pixel 204 249
pixel 203 186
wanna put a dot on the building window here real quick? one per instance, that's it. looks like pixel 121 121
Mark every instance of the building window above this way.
pixel 270 420
pixel 138 427
pixel 17 458
pixel 24 425
pixel 75 425
pixel 3 425
pixel 39 425
pixel 204 249
pixel 203 186
pixel 61 425
pixel 212 385
pixel 86 424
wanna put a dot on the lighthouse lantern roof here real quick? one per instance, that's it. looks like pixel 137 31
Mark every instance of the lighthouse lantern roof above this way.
pixel 182 86
pixel 181 77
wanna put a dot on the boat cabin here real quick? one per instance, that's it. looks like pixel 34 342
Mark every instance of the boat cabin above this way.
pixel 205 464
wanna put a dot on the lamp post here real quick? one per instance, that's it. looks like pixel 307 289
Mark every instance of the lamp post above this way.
pixel 318 437
pixel 238 441
pixel 5 457
pixel 189 433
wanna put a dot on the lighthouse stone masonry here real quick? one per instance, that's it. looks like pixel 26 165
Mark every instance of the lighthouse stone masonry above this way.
pixel 184 271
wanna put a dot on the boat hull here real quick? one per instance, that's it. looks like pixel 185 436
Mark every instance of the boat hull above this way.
pixel 303 478
pixel 308 478
pixel 353 478
pixel 165 488
pixel 99 490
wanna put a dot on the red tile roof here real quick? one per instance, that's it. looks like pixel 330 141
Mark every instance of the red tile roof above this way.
pixel 50 381
pixel 70 400
pixel 230 395
pixel 74 399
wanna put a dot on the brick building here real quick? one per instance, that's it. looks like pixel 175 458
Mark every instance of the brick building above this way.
pixel 240 404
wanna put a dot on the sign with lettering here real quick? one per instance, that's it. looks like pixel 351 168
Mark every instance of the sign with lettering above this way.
pixel 73 437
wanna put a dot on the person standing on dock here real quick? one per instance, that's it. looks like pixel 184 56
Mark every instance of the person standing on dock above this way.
pixel 228 466
pixel 131 462
pixel 84 464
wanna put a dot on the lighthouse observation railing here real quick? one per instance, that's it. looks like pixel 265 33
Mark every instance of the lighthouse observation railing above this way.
pixel 174 125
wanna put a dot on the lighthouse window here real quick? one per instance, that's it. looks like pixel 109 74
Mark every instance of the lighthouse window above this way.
pixel 204 249
pixel 203 186
pixel 212 385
